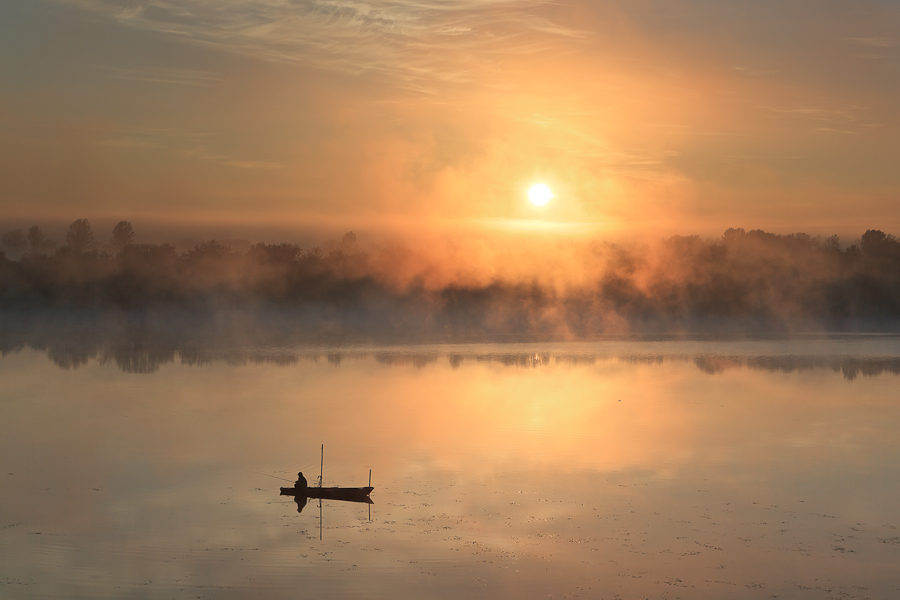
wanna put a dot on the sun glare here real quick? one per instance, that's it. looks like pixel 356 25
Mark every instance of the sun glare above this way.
pixel 540 194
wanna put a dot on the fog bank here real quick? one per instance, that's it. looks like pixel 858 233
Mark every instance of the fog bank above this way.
pixel 471 289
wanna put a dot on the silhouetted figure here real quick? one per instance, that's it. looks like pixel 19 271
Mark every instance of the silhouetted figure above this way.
pixel 301 484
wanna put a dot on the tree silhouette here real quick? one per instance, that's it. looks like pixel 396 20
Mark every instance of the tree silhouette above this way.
pixel 874 241
pixel 740 282
pixel 833 243
pixel 79 237
pixel 348 241
pixel 35 237
pixel 732 234
pixel 122 235
pixel 14 239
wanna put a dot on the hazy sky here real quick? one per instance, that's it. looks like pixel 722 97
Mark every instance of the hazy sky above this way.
pixel 672 115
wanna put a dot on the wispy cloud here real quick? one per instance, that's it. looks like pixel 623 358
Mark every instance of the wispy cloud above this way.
pixel 137 138
pixel 825 118
pixel 128 143
pixel 418 41
pixel 152 139
pixel 254 164
pixel 164 75
pixel 875 42
pixel 230 161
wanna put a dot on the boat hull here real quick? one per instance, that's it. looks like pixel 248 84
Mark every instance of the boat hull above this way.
pixel 332 493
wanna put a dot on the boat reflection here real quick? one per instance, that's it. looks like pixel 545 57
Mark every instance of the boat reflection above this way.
pixel 301 495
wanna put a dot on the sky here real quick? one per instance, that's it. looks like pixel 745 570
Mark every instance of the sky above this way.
pixel 659 117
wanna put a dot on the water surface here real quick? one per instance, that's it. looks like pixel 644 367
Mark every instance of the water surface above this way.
pixel 670 469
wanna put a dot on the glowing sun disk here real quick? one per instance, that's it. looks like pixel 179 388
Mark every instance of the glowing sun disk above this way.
pixel 540 194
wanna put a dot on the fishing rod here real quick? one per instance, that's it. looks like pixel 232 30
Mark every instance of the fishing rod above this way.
pixel 272 476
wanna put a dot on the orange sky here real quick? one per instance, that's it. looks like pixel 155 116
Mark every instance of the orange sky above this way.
pixel 674 116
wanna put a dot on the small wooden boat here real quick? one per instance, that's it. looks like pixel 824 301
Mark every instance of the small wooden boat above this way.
pixel 360 494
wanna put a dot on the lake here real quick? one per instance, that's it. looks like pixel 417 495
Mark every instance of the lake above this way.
pixel 615 469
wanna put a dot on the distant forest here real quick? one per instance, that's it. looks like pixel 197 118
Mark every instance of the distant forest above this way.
pixel 743 281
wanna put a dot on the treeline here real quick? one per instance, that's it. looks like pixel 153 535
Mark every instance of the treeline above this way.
pixel 743 281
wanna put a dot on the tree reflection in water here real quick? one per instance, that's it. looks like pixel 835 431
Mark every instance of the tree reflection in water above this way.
pixel 135 346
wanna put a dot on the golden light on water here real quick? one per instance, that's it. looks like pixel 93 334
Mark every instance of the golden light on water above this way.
pixel 540 194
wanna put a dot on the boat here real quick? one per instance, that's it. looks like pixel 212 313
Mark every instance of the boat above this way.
pixel 348 494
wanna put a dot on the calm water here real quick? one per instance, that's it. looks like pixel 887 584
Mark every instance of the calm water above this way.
pixel 609 470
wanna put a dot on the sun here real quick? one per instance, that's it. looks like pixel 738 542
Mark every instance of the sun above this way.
pixel 540 194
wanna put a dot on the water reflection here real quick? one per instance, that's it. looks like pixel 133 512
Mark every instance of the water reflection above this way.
pixel 143 360
pixel 146 351
pixel 501 471
pixel 301 497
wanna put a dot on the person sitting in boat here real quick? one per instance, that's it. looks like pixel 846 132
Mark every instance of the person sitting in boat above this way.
pixel 300 484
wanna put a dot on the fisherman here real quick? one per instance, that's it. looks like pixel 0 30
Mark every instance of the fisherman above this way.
pixel 300 484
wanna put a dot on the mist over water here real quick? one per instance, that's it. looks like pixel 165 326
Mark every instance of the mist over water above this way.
pixel 145 347
pixel 688 418
pixel 458 290
pixel 632 469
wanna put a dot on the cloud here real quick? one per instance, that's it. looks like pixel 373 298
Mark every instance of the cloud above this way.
pixel 230 161
pixel 875 42
pixel 164 75
pixel 847 116
pixel 128 143
pixel 416 41
pixel 253 164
